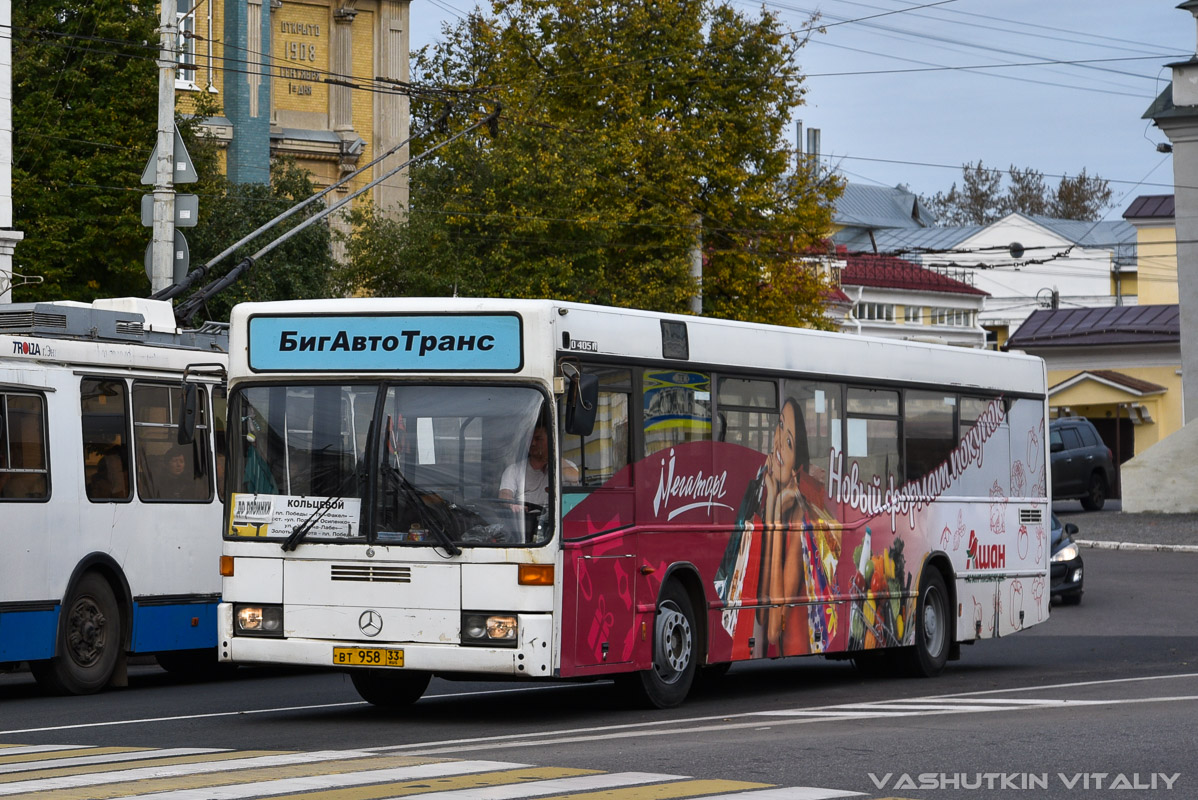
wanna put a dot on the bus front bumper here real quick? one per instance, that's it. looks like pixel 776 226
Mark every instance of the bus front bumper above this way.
pixel 531 657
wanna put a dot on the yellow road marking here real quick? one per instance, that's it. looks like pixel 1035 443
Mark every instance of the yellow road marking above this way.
pixel 84 751
pixel 475 781
pixel 231 777
pixel 664 791
pixel 116 766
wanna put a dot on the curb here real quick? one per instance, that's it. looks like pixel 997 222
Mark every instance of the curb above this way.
pixel 1160 548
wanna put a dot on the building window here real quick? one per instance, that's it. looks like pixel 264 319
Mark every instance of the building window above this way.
pixel 185 78
pixel 874 312
pixel 956 317
pixel 913 314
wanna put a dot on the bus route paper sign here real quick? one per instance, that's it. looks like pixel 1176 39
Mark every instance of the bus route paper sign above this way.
pixel 386 343
pixel 279 515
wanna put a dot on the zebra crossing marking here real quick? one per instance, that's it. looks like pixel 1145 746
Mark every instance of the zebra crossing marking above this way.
pixel 46 772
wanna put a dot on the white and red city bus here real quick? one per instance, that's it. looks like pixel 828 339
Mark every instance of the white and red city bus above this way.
pixel 470 487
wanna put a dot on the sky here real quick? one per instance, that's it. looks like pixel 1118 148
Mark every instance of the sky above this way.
pixel 907 91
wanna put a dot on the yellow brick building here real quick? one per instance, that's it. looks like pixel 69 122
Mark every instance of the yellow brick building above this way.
pixel 316 80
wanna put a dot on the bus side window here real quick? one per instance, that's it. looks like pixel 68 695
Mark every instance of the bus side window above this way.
pixel 677 408
pixel 873 435
pixel 23 471
pixel 928 430
pixel 820 406
pixel 167 470
pixel 105 425
pixel 595 460
pixel 748 412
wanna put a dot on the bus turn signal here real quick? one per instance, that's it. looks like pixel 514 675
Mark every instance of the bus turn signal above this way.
pixel 536 575
pixel 226 566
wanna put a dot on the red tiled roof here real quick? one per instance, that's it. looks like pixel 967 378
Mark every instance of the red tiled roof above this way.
pixel 889 272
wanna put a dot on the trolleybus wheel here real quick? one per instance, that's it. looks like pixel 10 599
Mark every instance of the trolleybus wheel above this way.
pixel 89 640
pixel 932 635
pixel 669 680
pixel 388 688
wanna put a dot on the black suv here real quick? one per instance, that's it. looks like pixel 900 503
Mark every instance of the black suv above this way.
pixel 1082 466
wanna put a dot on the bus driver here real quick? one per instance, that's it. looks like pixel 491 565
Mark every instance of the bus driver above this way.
pixel 527 481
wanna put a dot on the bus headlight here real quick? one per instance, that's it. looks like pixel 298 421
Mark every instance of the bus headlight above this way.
pixel 501 630
pixel 257 620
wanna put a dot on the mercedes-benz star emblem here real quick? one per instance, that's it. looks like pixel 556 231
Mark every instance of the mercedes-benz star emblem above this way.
pixel 371 622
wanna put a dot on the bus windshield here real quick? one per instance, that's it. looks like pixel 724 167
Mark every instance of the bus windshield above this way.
pixel 410 465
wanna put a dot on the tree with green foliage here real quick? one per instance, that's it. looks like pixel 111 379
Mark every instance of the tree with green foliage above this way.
pixel 983 197
pixel 630 136
pixel 84 115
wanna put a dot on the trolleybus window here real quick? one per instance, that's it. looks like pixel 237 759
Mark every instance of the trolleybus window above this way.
pixel 167 470
pixel 23 471
pixel 105 439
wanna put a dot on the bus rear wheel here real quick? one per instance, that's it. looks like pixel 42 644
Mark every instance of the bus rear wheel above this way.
pixel 390 688
pixel 932 633
pixel 675 660
pixel 89 641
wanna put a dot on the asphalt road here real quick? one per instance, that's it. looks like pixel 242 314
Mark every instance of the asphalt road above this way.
pixel 1109 687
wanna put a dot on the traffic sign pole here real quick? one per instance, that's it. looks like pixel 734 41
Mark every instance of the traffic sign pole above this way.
pixel 163 244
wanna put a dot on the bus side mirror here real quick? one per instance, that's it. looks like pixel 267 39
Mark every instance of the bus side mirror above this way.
pixel 582 398
pixel 187 413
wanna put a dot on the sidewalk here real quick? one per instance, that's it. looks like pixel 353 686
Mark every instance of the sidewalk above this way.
pixel 1112 529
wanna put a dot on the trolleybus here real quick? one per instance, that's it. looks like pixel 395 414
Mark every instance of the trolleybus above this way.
pixel 107 542
pixel 549 490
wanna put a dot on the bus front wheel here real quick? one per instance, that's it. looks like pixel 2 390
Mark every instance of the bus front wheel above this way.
pixel 932 634
pixel 669 681
pixel 89 641
pixel 387 688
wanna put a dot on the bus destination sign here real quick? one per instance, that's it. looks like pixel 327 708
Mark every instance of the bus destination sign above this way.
pixel 386 343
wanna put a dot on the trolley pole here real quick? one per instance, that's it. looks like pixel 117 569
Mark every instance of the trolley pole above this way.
pixel 162 248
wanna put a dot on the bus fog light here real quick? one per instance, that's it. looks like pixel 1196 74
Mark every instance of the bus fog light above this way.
pixel 258 620
pixel 474 627
pixel 490 629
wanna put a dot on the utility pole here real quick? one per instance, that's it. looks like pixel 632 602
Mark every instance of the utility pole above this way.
pixel 163 245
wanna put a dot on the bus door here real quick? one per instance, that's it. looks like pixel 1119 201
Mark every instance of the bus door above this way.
pixel 598 510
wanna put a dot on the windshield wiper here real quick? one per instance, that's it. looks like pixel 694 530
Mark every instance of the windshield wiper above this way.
pixel 308 524
pixel 424 511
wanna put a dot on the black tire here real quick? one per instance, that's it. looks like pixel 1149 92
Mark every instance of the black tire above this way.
pixel 89 640
pixel 933 636
pixel 1095 497
pixel 388 688
pixel 675 658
